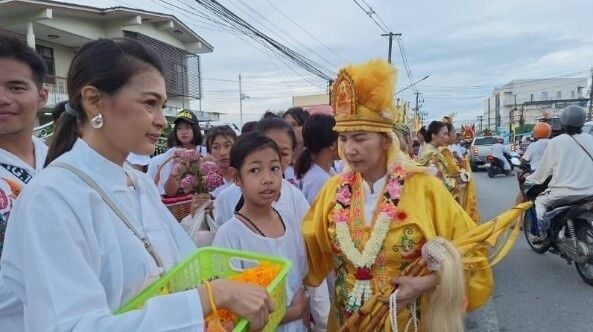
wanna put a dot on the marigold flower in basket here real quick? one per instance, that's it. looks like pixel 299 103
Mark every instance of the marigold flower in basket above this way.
pixel 261 275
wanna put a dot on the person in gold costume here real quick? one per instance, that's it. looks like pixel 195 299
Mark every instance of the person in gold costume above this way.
pixel 371 221
pixel 451 171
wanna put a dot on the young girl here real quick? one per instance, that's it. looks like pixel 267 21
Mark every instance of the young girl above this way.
pixel 186 135
pixel 257 226
pixel 296 118
pixel 315 165
pixel 291 199
pixel 219 141
pixel 75 271
pixel 291 202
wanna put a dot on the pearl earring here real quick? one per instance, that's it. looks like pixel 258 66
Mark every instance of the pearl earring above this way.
pixel 97 121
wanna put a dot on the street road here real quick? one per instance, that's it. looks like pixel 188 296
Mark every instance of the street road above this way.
pixel 532 292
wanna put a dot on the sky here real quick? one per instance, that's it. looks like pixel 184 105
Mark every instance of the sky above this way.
pixel 466 47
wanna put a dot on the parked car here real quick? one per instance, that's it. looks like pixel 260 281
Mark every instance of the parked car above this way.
pixel 481 148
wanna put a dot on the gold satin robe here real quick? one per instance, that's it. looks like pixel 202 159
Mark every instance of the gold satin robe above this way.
pixel 464 193
pixel 429 211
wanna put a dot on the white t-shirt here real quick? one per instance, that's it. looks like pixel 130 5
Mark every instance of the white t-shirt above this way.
pixel 535 152
pixel 235 234
pixel 571 168
pixel 74 262
pixel 314 180
pixel 14 175
pixel 291 201
pixel 290 176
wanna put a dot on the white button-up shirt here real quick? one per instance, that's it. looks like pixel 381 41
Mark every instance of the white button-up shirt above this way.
pixel 73 262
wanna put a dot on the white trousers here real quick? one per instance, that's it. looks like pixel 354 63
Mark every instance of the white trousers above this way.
pixel 549 198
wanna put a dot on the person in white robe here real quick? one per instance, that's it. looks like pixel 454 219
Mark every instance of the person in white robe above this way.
pixel 21 154
pixel 68 256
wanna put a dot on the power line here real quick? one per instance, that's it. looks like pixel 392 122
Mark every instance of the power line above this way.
pixel 220 12
pixel 279 28
pixel 307 32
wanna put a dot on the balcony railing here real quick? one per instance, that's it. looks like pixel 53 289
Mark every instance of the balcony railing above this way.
pixel 57 89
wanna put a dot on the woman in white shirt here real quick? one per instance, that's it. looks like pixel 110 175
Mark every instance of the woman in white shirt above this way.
pixel 69 256
pixel 315 164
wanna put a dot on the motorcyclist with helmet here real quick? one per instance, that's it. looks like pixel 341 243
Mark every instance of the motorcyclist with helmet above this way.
pixel 535 151
pixel 568 159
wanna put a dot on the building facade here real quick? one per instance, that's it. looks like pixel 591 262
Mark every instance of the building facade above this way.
pixel 524 101
pixel 56 30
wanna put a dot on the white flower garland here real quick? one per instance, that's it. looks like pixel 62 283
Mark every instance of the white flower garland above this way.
pixel 362 288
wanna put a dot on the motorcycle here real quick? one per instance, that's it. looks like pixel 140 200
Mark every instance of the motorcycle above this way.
pixel 497 166
pixel 570 230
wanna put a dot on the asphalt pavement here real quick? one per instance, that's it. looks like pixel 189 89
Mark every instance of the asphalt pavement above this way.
pixel 533 292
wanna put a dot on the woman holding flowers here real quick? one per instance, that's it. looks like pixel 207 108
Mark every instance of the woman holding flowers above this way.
pixel 186 135
pixel 371 221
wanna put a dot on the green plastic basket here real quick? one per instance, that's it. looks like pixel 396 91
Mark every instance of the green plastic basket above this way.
pixel 210 262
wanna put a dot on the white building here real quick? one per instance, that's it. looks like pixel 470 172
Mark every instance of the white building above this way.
pixel 524 101
pixel 56 30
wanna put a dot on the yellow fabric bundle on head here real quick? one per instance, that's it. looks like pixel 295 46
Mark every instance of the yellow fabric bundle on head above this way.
pixel 362 97
pixel 374 84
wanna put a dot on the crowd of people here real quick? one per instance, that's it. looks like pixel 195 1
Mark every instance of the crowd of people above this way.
pixel 351 199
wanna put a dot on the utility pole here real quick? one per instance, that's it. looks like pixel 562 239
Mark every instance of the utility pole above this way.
pixel 591 98
pixel 416 108
pixel 240 102
pixel 480 118
pixel 390 35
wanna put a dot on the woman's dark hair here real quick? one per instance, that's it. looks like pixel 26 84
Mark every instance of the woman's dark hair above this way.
pixel 298 113
pixel 422 131
pixel 57 111
pixel 248 144
pixel 270 114
pixel 318 133
pixel 433 128
pixel 195 129
pixel 276 123
pixel 16 49
pixel 248 127
pixel 213 133
pixel 106 64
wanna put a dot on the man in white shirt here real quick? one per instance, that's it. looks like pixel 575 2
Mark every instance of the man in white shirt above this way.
pixel 498 151
pixel 535 151
pixel 568 158
pixel 22 73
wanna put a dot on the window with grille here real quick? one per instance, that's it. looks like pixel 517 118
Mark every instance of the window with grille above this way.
pixel 181 68
pixel 47 54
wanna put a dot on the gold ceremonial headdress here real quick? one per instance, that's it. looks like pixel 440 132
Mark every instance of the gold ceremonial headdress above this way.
pixel 362 97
